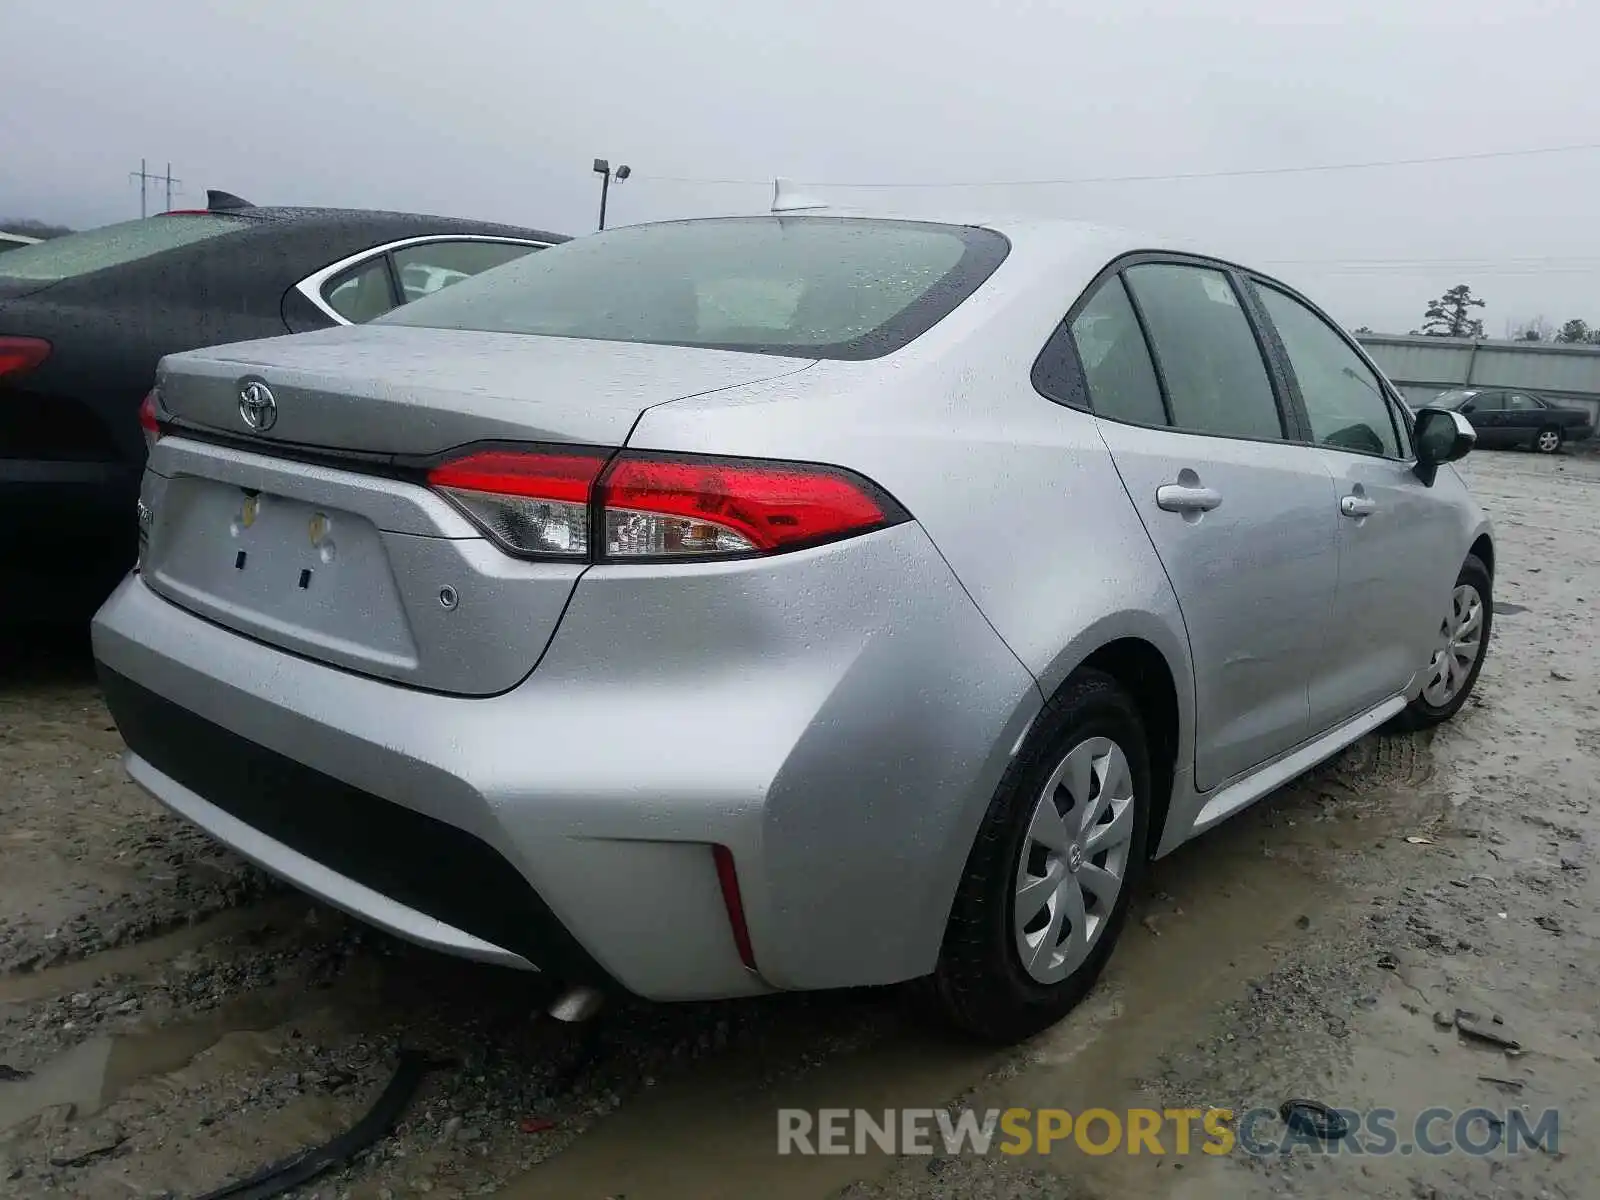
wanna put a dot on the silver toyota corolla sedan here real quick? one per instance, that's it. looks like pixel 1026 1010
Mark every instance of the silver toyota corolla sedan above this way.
pixel 715 607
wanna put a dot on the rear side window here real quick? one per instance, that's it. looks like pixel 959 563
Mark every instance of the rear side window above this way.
pixel 429 266
pixel 1116 362
pixel 1207 352
pixel 361 293
pixel 813 287
pixel 113 246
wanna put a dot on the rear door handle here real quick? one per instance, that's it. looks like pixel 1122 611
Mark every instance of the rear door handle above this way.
pixel 1358 506
pixel 1175 497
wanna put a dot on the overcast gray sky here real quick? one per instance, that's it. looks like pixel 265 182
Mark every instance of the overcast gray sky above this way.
pixel 496 109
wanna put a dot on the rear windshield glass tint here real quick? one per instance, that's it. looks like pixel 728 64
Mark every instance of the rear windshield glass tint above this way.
pixel 112 246
pixel 814 287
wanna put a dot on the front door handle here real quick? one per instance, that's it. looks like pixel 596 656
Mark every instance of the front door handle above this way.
pixel 1176 497
pixel 1358 506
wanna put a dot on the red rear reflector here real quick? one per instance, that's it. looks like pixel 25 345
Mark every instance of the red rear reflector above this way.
pixel 22 353
pixel 728 877
pixel 660 506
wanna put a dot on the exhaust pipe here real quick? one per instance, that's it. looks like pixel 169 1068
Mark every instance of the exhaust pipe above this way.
pixel 576 1005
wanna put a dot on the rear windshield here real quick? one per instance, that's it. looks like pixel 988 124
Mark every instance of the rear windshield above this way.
pixel 812 287
pixel 112 246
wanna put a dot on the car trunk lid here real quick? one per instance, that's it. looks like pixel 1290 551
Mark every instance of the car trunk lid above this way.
pixel 411 391
pixel 319 534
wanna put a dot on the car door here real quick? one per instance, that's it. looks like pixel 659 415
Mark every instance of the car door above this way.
pixel 1486 411
pixel 1396 540
pixel 1523 417
pixel 1243 518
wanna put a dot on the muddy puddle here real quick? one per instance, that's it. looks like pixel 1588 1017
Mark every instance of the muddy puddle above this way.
pixel 1217 913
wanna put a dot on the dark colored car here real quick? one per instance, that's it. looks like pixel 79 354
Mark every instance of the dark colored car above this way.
pixel 1509 417
pixel 85 318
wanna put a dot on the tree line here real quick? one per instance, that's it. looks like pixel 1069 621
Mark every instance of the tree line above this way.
pixel 1451 316
pixel 28 227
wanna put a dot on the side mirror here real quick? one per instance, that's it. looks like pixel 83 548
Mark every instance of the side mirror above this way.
pixel 1440 436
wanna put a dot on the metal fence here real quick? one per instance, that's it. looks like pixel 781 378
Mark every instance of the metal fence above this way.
pixel 1422 367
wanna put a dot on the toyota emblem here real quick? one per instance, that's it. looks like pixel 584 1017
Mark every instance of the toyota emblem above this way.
pixel 257 406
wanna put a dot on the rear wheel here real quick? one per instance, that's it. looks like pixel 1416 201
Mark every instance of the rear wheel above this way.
pixel 1458 655
pixel 1050 877
pixel 1547 440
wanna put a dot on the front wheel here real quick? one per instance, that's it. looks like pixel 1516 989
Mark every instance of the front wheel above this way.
pixel 1459 652
pixel 1050 877
pixel 1547 440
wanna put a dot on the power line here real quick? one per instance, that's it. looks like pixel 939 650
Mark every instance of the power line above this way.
pixel 1335 269
pixel 1434 262
pixel 1246 172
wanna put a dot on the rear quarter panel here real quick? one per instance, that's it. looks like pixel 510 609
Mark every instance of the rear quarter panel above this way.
pixel 1018 493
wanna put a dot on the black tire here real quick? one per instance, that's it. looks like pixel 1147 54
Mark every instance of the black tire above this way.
pixel 1539 439
pixel 1420 714
pixel 980 985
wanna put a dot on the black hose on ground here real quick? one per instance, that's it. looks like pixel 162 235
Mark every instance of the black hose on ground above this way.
pixel 300 1168
pixel 380 1120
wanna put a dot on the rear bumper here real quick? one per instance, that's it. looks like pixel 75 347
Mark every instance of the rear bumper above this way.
pixel 841 740
pixel 1579 433
pixel 422 878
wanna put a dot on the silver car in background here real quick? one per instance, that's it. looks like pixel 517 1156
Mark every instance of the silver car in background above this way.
pixel 724 606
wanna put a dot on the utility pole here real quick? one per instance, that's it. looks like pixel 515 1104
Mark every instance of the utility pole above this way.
pixel 602 168
pixel 145 178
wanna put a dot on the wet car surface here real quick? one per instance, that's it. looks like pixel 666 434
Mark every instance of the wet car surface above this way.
pixel 171 1020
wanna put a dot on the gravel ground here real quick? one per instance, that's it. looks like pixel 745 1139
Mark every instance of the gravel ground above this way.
pixel 171 1020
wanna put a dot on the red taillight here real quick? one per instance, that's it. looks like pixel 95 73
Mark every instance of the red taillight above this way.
pixel 657 506
pixel 555 476
pixel 530 502
pixel 660 506
pixel 728 878
pixel 22 353
pixel 150 418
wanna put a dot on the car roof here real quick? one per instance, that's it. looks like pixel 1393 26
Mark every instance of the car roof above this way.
pixel 271 214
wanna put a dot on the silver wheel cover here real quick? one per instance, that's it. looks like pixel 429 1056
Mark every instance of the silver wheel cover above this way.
pixel 1461 645
pixel 1074 859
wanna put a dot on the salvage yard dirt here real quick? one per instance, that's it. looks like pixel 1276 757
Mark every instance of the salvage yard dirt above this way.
pixel 171 1020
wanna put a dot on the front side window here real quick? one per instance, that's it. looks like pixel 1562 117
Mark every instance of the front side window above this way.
pixel 1344 398
pixel 814 287
pixel 427 267
pixel 1116 361
pixel 1485 402
pixel 1209 359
